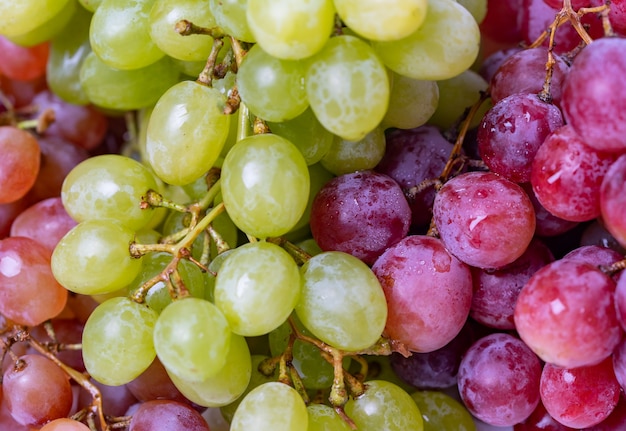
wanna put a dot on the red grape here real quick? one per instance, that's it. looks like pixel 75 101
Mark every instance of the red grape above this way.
pixel 19 164
pixel 21 62
pixel 166 415
pixel 500 23
pixel 613 200
pixel 540 420
pixel 547 224
pixel 64 424
pixel 619 363
pixel 154 383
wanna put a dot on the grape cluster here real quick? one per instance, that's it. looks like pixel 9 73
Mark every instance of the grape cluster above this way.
pixel 312 215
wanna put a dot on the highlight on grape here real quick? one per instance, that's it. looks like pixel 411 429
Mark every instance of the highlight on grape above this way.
pixel 322 215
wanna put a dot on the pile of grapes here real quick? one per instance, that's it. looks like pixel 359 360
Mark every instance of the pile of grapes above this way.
pixel 321 215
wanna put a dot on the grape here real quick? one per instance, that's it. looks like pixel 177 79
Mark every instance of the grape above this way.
pixel 257 288
pixel 596 234
pixel 117 89
pixel 540 420
pixel 580 397
pixel 374 20
pixel 93 258
pixel 384 407
pixel 272 88
pixel 617 16
pixel 36 391
pixel 117 341
pixel 421 267
pixel 90 5
pixel 265 185
pixel 342 302
pixel 290 30
pixel 23 63
pixel 620 300
pixel 361 213
pixel 20 163
pixel 512 131
pixel 612 202
pixel 117 399
pixel 228 384
pixel 325 418
pixel 566 175
pixel 48 29
pixel 8 213
pixel 483 219
pixel 594 255
pixel 547 224
pixel 154 383
pixel 166 415
pixel 566 314
pixel 442 412
pixel 22 17
pixel 345 156
pixel 162 19
pixel 478 8
pixel 109 187
pixel 501 22
pixel 351 111
pixel 493 61
pixel 272 405
pixel 231 16
pixel 192 338
pixel 411 102
pixel 29 294
pixel 447 26
pixel 64 424
pixel 119 34
pixel 619 363
pixel 318 176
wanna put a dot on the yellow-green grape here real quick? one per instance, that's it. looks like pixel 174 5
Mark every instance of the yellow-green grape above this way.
pixel 265 185
pixel 20 17
pixel 272 88
pixel 342 302
pixel 307 133
pixel 163 18
pixel 120 34
pixel 325 418
pixel 411 103
pixel 256 379
pixel 384 407
pixel 68 49
pixel 90 5
pixel 377 20
pixel 117 341
pixel 478 8
pixel 257 288
pixel 442 412
pixel 227 385
pixel 456 95
pixel 93 258
pixel 192 339
pixel 271 406
pixel 346 156
pixel 310 246
pixel 446 44
pixel 108 187
pixel 350 111
pixel 124 90
pixel 214 268
pixel 48 29
pixel 291 29
pixel 231 16
pixel 319 176
pixel 186 132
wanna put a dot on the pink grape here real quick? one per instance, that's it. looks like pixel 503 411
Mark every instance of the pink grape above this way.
pixel 540 420
pixel 619 363
pixel 620 299
pixel 167 415
pixel 483 219
pixel 547 224
pixel 19 164
pixel 613 200
pixel 21 62
pixel 501 23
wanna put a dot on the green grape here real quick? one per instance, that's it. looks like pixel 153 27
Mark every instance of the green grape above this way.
pixel 310 246
pixel 342 302
pixel 125 90
pixel 350 111
pixel 272 88
pixel 214 268
pixel 446 44
pixel 411 102
pixel 271 406
pixel 108 187
pixel 20 17
pixel 192 338
pixel 117 341
pixel 256 379
pixel 90 5
pixel 388 20
pixel 307 133
pixel 231 16
pixel 318 176
pixel 93 258
pixel 384 407
pixel 163 18
pixel 68 49
pixel 257 288
pixel 478 8
pixel 265 185
pixel 456 95
pixel 120 34
pixel 227 385
pixel 288 29
pixel 346 156
pixel 48 29
pixel 186 133
pixel 442 412
pixel 325 418
pixel 158 296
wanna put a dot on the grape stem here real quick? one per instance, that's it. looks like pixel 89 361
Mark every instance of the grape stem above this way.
pixel 206 76
pixel 614 268
pixel 187 28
